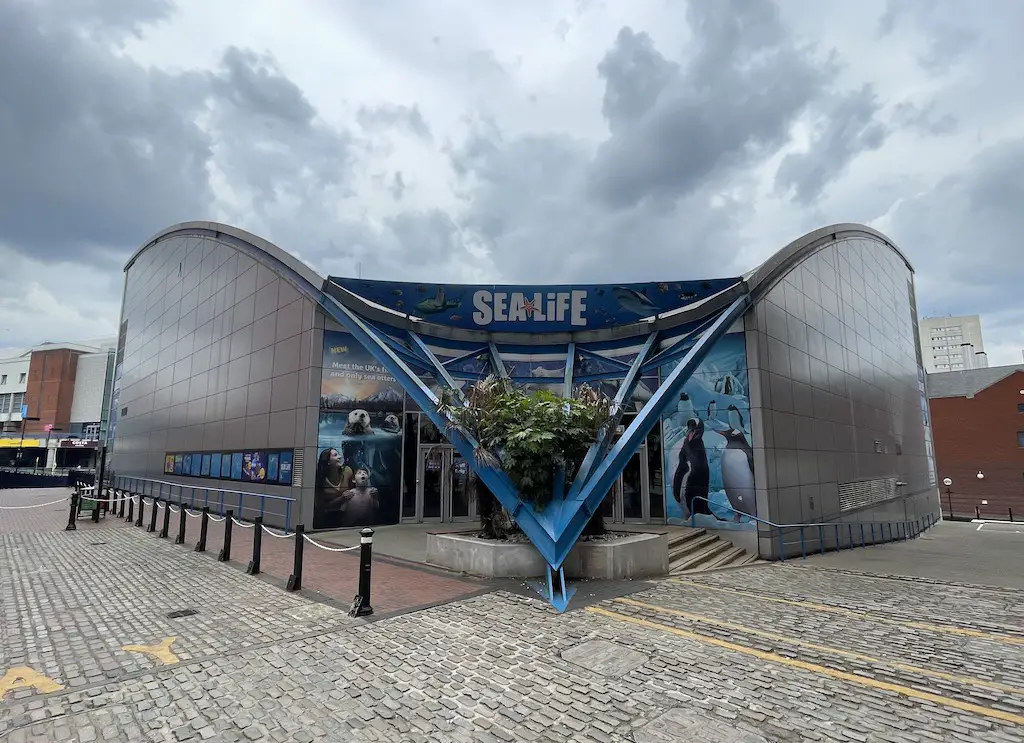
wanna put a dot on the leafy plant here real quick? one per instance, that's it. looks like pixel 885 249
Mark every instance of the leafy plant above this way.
pixel 533 437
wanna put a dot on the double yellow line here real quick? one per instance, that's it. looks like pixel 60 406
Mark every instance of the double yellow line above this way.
pixel 814 667
pixel 941 628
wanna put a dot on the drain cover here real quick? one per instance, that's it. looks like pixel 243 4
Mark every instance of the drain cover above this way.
pixel 182 613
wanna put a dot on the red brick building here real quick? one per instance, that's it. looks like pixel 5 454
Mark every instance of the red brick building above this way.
pixel 978 427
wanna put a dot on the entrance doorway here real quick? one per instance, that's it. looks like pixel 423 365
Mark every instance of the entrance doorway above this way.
pixel 442 486
pixel 629 501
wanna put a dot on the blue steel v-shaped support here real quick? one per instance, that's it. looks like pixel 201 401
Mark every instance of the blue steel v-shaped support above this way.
pixel 556 529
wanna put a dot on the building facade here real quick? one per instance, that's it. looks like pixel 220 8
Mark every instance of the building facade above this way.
pixel 792 395
pixel 952 344
pixel 978 424
pixel 54 403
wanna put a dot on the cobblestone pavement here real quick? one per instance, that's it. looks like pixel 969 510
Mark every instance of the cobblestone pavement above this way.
pixel 778 652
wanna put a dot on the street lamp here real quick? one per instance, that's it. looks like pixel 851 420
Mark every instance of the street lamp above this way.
pixel 977 509
pixel 980 475
pixel 949 497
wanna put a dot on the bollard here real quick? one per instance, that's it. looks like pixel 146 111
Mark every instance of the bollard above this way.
pixel 167 521
pixel 203 524
pixel 977 512
pixel 180 539
pixel 142 508
pixel 72 526
pixel 257 544
pixel 1011 514
pixel 361 603
pixel 131 509
pixel 96 503
pixel 295 579
pixel 153 515
pixel 121 509
pixel 225 551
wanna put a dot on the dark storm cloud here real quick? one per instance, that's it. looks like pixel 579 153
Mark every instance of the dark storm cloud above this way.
pixel 847 128
pixel 732 103
pixel 95 150
pixel 390 115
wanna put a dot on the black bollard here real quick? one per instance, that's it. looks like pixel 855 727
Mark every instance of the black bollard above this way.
pixel 131 509
pixel 167 521
pixel 977 512
pixel 295 579
pixel 72 526
pixel 180 539
pixel 153 515
pixel 96 503
pixel 121 509
pixel 257 544
pixel 204 522
pixel 142 508
pixel 361 603
pixel 1011 514
pixel 225 551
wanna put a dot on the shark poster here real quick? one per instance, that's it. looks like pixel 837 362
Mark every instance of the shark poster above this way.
pixel 709 464
pixel 359 453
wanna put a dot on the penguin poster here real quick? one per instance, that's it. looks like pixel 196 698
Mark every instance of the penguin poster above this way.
pixel 709 458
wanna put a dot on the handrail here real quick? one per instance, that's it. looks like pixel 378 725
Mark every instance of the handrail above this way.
pixel 905 529
pixel 133 484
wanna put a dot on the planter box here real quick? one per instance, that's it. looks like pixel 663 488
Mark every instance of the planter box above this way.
pixel 634 556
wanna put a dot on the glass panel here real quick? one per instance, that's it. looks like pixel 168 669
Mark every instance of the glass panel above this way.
pixel 608 504
pixel 409 468
pixel 433 477
pixel 428 431
pixel 460 486
pixel 655 474
pixel 632 493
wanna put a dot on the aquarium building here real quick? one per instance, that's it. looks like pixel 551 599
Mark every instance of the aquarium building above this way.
pixel 792 395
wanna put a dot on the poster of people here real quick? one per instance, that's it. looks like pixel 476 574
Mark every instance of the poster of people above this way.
pixel 359 462
pixel 709 459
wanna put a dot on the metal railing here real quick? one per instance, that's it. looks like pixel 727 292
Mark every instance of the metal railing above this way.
pixel 856 533
pixel 214 498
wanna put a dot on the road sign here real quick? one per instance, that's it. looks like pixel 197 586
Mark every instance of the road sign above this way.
pixel 48 427
pixel 24 411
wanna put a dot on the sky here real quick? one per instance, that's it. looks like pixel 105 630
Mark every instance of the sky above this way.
pixel 534 142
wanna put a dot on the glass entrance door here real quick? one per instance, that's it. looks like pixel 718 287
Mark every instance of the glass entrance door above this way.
pixel 442 486
pixel 629 500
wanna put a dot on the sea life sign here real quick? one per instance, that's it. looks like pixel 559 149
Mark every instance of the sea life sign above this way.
pixel 533 309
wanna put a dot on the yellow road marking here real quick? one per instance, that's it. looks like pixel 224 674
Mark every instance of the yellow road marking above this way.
pixel 945 628
pixel 824 648
pixel 23 677
pixel 815 668
pixel 161 651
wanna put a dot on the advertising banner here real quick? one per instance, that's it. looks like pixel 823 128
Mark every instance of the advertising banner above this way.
pixel 358 470
pixel 709 458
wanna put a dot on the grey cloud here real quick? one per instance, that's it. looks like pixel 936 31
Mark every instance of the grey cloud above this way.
pixel 948 37
pixel 924 119
pixel 95 149
pixel 635 74
pixel 395 116
pixel 847 128
pixel 730 105
pixel 398 186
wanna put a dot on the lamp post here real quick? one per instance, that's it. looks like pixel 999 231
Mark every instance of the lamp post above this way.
pixel 980 476
pixel 949 496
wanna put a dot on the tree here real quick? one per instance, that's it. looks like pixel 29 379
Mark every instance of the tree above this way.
pixel 533 437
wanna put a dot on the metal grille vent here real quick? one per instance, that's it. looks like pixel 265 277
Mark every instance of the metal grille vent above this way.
pixel 297 468
pixel 865 492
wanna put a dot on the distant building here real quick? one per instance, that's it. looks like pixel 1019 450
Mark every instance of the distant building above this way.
pixel 978 427
pixel 952 344
pixel 54 404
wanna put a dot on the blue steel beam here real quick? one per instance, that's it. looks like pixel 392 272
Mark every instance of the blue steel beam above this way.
pixel 667 355
pixel 462 357
pixel 497 481
pixel 408 356
pixel 624 366
pixel 496 362
pixel 601 446
pixel 572 522
pixel 438 367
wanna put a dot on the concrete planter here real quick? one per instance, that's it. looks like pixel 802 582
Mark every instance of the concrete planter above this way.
pixel 634 556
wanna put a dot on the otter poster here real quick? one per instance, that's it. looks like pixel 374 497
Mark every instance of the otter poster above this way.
pixel 709 460
pixel 359 457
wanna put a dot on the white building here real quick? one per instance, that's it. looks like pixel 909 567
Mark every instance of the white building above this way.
pixel 13 383
pixel 952 343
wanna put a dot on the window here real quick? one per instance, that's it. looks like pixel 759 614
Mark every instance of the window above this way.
pixel 3 379
pixel 91 431
pixel 1020 439
pixel 17 400
pixel 5 403
pixel 21 378
pixel 1020 407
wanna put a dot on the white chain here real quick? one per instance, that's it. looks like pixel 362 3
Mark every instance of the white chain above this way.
pixel 325 547
pixel 217 519
pixel 242 523
pixel 37 505
pixel 192 515
pixel 273 533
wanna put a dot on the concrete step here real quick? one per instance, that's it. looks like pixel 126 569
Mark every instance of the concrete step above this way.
pixel 735 556
pixel 681 537
pixel 690 547
pixel 701 558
